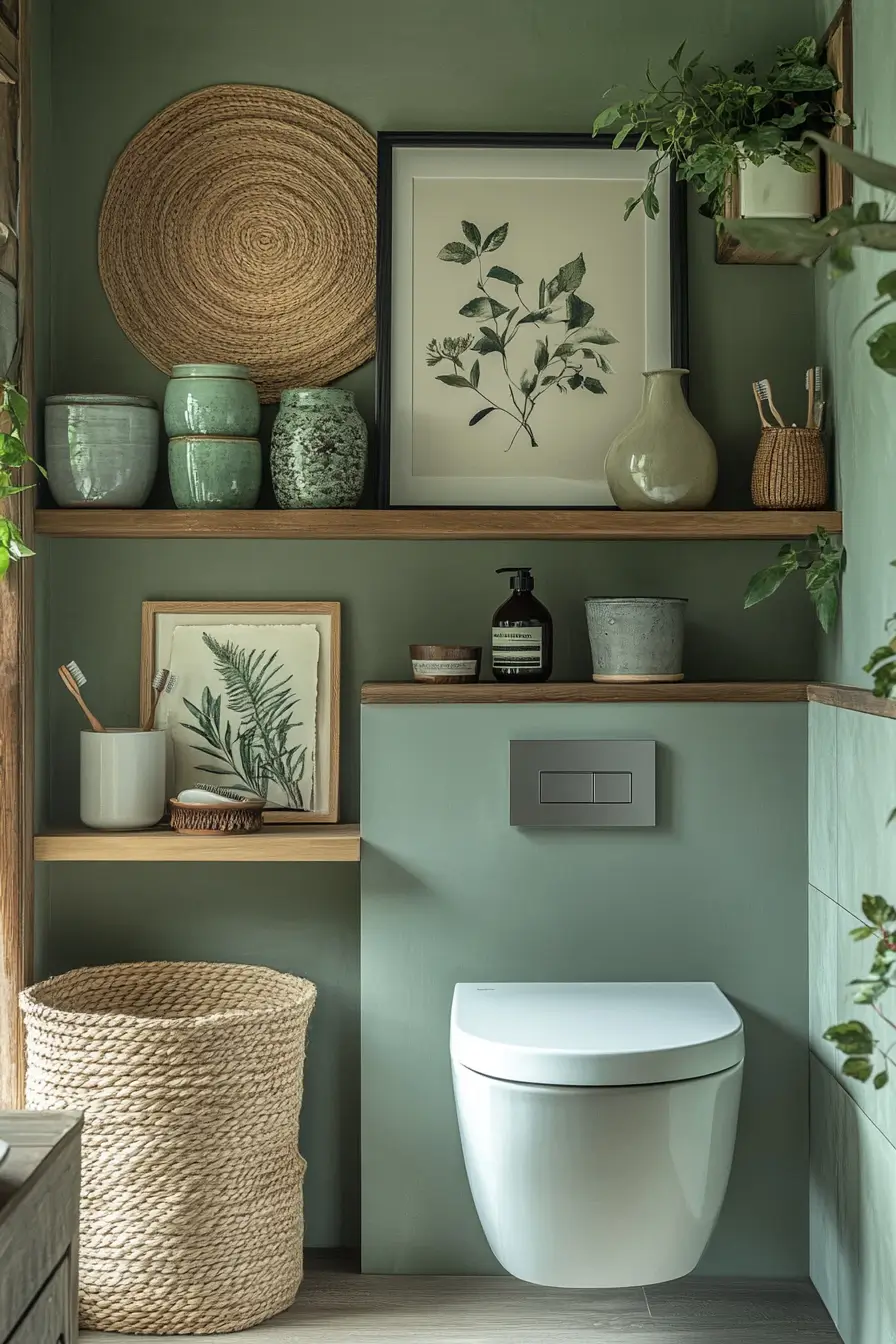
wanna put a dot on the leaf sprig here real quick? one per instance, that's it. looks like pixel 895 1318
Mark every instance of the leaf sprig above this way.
pixel 705 123
pixel 854 1038
pixel 823 562
pixel 13 457
pixel 566 365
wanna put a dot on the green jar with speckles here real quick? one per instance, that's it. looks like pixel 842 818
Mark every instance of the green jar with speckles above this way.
pixel 209 472
pixel 211 399
pixel 318 449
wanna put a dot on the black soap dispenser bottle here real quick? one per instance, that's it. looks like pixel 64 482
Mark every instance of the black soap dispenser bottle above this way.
pixel 522 632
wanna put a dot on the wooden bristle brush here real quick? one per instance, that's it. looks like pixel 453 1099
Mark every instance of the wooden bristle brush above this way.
pixel 159 684
pixel 73 679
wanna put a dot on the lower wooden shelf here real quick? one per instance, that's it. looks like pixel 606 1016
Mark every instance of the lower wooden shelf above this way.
pixel 274 844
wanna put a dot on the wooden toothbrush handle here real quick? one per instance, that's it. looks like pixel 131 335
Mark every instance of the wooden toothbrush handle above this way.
pixel 148 722
pixel 73 689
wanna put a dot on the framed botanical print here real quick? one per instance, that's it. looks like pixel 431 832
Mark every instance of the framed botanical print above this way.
pixel 254 703
pixel 517 310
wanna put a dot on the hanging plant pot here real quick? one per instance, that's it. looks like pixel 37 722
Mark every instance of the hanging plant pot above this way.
pixel 774 190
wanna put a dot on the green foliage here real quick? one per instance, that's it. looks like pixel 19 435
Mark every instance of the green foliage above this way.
pixel 13 457
pixel 259 693
pixel 705 123
pixel 823 562
pixel 561 366
pixel 836 237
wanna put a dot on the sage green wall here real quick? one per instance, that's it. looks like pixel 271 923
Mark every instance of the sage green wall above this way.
pixel 852 768
pixel 864 398
pixel 506 64
pixel 450 891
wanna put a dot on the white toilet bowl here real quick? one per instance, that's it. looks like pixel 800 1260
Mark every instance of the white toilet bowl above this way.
pixel 598 1124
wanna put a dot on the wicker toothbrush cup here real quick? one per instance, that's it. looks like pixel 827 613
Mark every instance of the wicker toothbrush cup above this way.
pixel 789 470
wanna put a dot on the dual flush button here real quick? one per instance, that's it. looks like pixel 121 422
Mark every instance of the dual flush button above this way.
pixel 582 783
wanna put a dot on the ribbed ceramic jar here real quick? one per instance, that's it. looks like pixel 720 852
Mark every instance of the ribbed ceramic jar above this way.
pixel 318 450
pixel 665 459
pixel 211 399
pixel 214 473
pixel 636 638
pixel 102 450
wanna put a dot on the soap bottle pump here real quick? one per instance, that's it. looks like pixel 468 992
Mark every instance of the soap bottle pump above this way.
pixel 522 632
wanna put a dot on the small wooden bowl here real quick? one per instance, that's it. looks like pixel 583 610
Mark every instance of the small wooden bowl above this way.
pixel 228 817
pixel 445 664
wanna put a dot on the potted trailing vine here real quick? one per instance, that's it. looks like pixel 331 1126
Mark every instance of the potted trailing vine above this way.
pixel 867 1046
pixel 13 457
pixel 710 126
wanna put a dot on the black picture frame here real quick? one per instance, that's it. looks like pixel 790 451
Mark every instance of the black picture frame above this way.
pixel 387 141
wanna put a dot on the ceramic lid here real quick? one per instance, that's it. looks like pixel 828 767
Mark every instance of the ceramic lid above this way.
pixel 595 1035
pixel 99 399
pixel 209 371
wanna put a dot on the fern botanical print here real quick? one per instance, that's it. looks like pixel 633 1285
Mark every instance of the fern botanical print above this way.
pixel 258 693
pixel 556 344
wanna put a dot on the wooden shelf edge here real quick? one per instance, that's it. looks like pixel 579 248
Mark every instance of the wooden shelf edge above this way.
pixel 434 524
pixel 275 844
pixel 854 698
pixel 585 692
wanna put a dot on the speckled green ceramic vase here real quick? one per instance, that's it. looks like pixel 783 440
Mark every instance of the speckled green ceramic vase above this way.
pixel 211 399
pixel 318 450
pixel 208 472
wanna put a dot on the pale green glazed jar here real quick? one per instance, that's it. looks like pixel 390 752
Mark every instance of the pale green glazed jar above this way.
pixel 211 399
pixel 664 459
pixel 206 472
pixel 318 449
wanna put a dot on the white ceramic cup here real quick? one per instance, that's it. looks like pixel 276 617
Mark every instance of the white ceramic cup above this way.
pixel 122 779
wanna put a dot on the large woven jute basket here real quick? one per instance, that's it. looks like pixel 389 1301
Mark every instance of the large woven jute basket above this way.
pixel 789 470
pixel 190 1078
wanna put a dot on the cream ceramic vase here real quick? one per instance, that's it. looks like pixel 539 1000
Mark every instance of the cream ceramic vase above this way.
pixel 665 459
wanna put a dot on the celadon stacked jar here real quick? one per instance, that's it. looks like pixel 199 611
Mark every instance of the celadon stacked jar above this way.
pixel 212 414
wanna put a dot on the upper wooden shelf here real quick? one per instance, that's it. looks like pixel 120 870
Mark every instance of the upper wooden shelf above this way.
pixel 273 844
pixel 584 692
pixel 434 524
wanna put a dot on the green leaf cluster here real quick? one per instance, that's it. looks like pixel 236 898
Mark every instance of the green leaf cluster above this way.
pixel 259 692
pixel 823 562
pixel 569 364
pixel 13 457
pixel 705 122
pixel 836 237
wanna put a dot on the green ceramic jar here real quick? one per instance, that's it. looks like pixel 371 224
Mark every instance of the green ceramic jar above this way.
pixel 318 449
pixel 208 472
pixel 211 399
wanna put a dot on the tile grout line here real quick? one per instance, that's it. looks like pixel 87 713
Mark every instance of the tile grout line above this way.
pixel 646 1301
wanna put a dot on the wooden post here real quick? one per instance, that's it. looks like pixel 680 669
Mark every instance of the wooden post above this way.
pixel 16 660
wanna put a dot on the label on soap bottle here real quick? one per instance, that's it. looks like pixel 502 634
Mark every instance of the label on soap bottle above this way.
pixel 516 648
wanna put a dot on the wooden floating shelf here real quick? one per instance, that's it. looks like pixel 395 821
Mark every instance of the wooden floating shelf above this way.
pixel 586 692
pixel 435 524
pixel 853 697
pixel 274 844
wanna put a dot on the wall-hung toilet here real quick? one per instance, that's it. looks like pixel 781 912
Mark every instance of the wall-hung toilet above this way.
pixel 597 1124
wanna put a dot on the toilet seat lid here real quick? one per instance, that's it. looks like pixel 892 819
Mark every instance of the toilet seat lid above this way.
pixel 595 1035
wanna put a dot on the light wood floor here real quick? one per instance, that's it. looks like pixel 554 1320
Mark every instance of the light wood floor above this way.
pixel 340 1307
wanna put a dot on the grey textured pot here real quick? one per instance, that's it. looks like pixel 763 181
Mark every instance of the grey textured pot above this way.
pixel 636 638
pixel 318 449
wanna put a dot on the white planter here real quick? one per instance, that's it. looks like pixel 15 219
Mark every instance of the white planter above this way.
pixel 773 190
pixel 122 779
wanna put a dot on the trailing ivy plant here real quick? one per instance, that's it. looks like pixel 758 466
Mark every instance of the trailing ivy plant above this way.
pixel 822 561
pixel 855 1039
pixel 13 457
pixel 501 314
pixel 837 236
pixel 707 123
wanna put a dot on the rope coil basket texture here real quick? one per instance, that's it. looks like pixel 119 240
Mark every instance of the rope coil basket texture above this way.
pixel 190 1078
pixel 239 227
pixel 789 470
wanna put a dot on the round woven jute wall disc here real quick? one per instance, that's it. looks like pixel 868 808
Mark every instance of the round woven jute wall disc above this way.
pixel 239 226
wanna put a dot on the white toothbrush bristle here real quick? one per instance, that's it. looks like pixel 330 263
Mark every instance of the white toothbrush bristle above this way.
pixel 76 673
pixel 160 680
pixel 170 683
pixel 764 388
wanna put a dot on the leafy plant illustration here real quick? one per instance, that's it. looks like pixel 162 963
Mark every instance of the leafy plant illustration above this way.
pixel 565 366
pixel 258 693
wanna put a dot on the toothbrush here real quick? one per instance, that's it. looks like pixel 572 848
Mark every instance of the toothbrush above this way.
pixel 818 402
pixel 73 679
pixel 810 391
pixel 758 398
pixel 765 392
pixel 159 684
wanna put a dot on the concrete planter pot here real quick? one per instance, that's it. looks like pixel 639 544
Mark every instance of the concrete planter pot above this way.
pixel 636 638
